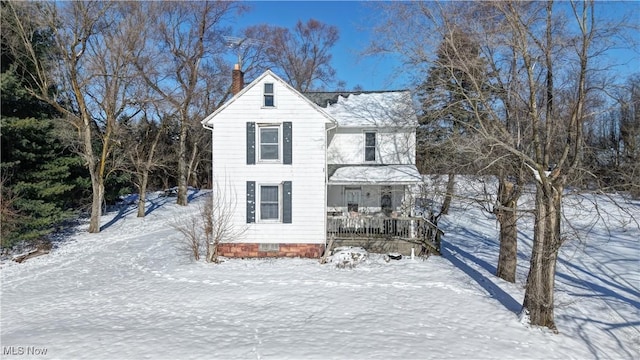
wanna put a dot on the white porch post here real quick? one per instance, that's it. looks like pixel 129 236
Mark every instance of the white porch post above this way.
pixel 413 229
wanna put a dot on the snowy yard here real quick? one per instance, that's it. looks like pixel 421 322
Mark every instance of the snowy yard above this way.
pixel 124 294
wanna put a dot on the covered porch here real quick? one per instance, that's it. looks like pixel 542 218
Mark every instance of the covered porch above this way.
pixel 378 190
pixel 374 204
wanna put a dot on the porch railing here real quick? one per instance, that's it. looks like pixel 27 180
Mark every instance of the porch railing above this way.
pixel 364 226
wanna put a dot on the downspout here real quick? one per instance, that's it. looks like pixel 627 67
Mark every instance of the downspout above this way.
pixel 326 180
pixel 210 128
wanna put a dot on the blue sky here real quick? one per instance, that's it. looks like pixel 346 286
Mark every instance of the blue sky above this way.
pixel 352 17
pixel 348 16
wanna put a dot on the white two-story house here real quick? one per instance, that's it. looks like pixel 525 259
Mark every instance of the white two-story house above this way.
pixel 300 167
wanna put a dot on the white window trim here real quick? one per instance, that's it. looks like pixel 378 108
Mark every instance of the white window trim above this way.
pixel 259 204
pixel 272 94
pixel 376 155
pixel 259 144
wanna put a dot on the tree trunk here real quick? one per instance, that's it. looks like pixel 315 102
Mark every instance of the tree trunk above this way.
pixel 506 214
pixel 97 188
pixel 142 196
pixel 538 299
pixel 451 182
pixel 212 252
pixel 182 165
pixel 193 165
pixel 96 202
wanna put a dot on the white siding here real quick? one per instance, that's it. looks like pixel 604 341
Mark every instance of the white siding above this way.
pixel 307 172
pixel 393 146
pixel 397 147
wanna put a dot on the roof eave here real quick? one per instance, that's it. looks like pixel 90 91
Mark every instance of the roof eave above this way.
pixel 380 183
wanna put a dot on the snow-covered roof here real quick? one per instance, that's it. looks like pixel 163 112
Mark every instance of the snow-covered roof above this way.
pixel 368 109
pixel 376 174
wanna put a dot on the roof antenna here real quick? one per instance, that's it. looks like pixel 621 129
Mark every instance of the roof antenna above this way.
pixel 239 44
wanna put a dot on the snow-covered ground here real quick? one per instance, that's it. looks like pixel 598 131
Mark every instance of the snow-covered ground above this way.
pixel 125 294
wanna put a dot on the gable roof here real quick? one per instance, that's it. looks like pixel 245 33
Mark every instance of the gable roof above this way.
pixel 208 120
pixel 368 108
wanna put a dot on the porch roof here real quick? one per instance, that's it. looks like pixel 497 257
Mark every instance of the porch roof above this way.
pixel 376 175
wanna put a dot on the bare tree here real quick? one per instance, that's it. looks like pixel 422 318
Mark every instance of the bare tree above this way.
pixel 192 230
pixel 178 53
pixel 629 106
pixel 220 226
pixel 458 78
pixel 302 55
pixel 551 158
pixel 613 139
pixel 212 225
pixel 87 81
pixel 535 45
pixel 141 142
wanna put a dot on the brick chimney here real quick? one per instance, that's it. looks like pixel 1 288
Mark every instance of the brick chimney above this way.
pixel 237 79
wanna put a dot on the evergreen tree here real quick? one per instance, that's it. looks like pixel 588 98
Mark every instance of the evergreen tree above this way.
pixel 449 104
pixel 42 181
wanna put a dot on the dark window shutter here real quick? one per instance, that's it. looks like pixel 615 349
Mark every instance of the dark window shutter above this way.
pixel 287 136
pixel 286 202
pixel 251 202
pixel 251 143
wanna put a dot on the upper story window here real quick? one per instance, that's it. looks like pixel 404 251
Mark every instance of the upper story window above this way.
pixel 269 95
pixel 369 146
pixel 269 139
pixel 269 143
